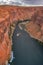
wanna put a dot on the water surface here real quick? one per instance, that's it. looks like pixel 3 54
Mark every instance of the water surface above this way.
pixel 27 51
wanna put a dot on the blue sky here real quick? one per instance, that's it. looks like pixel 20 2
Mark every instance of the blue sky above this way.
pixel 25 2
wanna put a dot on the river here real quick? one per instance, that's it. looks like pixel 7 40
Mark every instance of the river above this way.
pixel 27 51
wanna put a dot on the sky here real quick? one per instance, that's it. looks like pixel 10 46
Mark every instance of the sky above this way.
pixel 23 2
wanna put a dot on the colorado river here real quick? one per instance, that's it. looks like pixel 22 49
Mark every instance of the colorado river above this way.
pixel 27 51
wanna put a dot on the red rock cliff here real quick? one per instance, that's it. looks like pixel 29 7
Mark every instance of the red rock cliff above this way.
pixel 10 15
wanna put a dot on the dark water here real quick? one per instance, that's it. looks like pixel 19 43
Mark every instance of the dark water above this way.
pixel 27 51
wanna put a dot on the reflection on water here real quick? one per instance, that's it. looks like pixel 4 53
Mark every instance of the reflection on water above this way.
pixel 27 51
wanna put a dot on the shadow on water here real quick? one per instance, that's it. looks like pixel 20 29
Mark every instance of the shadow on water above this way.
pixel 27 51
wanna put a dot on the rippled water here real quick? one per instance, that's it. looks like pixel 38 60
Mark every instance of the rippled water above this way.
pixel 27 51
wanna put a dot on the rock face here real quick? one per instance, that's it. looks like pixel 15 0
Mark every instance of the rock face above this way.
pixel 35 27
pixel 9 17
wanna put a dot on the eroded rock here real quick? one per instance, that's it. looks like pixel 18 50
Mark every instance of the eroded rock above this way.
pixel 9 18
